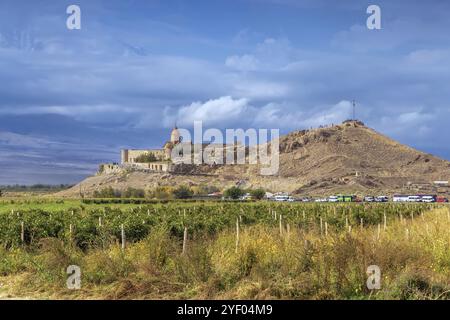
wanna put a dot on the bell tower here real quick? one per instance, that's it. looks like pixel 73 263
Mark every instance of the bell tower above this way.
pixel 175 136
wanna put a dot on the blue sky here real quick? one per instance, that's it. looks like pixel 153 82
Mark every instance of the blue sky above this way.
pixel 71 99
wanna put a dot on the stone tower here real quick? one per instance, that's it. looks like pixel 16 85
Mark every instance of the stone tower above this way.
pixel 175 136
pixel 175 139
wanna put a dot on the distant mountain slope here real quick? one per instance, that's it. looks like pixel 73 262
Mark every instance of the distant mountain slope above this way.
pixel 346 158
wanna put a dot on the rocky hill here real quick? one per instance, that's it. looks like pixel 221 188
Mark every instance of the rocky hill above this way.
pixel 345 158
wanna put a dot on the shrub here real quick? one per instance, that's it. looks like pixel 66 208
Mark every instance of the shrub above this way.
pixel 133 193
pixel 162 193
pixel 234 193
pixel 146 158
pixel 108 192
pixel 182 192
pixel 258 194
pixel 205 189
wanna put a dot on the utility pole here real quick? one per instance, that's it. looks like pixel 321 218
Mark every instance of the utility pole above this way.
pixel 354 109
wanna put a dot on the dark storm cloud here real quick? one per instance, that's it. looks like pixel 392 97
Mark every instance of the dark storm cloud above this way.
pixel 136 67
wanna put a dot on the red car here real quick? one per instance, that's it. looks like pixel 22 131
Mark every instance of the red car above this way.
pixel 441 199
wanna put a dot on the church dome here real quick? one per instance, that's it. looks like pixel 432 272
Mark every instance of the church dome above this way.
pixel 175 136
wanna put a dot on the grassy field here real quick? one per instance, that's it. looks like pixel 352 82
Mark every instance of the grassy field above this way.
pixel 207 250
pixel 49 204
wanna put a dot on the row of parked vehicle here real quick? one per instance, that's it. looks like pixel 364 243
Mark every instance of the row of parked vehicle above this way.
pixel 353 198
pixel 419 198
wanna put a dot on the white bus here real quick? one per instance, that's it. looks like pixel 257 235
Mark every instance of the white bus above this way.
pixel 414 199
pixel 281 198
pixel 400 198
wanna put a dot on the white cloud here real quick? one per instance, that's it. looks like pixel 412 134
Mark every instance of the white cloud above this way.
pixel 417 123
pixel 436 59
pixel 232 113
pixel 270 54
pixel 259 88
pixel 286 116
pixel 246 62
pixel 215 111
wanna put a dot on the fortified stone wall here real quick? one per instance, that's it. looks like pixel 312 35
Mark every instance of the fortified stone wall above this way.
pixel 216 153
pixel 129 156
pixel 108 168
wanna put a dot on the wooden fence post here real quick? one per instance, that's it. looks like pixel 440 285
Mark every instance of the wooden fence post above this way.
pixel 22 232
pixel 321 226
pixel 288 230
pixel 185 235
pixel 281 225
pixel 122 231
pixel 237 235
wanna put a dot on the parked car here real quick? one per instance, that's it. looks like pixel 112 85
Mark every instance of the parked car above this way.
pixel 321 200
pixel 333 199
pixel 281 198
pixel 369 199
pixel 382 199
pixel 428 199
pixel 246 196
pixel 441 199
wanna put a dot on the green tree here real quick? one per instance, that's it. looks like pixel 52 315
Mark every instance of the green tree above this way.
pixel 146 158
pixel 133 193
pixel 161 193
pixel 182 192
pixel 108 192
pixel 204 189
pixel 234 193
pixel 258 193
